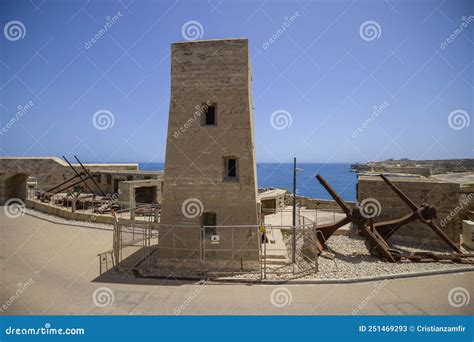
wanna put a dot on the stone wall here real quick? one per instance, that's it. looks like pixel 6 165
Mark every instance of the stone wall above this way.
pixel 14 172
pixel 51 171
pixel 110 180
pixel 442 195
pixel 424 171
pixel 67 214
pixel 127 190
pixel 313 203
pixel 466 203
pixel 111 167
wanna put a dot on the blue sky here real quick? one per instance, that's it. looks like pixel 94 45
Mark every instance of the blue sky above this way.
pixel 323 72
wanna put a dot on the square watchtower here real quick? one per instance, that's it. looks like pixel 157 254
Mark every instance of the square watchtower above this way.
pixel 210 169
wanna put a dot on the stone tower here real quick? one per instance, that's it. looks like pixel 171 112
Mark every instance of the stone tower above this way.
pixel 210 170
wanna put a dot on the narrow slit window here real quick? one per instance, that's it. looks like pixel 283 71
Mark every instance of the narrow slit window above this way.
pixel 210 115
pixel 232 168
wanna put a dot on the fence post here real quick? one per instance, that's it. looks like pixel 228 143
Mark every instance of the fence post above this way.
pixel 264 258
pixel 260 253
pixel 232 228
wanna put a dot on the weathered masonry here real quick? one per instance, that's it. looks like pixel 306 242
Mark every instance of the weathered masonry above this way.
pixel 40 173
pixel 442 195
pixel 210 155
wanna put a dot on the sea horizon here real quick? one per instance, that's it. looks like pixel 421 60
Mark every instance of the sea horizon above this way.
pixel 280 175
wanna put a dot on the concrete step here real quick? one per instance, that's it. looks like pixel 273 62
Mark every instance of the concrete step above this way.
pixel 274 261
pixel 273 255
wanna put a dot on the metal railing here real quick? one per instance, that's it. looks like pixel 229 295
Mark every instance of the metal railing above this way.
pixel 132 243
pixel 209 251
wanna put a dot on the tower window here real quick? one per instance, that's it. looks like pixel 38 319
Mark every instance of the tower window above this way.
pixel 209 117
pixel 230 168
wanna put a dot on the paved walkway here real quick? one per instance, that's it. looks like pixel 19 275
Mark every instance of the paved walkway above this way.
pixel 285 217
pixel 62 263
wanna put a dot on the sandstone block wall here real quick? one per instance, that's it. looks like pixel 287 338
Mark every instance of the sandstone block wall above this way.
pixel 15 171
pixel 466 200
pixel 424 171
pixel 127 191
pixel 313 203
pixel 49 172
pixel 110 180
pixel 443 196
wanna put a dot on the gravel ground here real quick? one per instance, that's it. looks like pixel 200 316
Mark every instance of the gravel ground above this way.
pixel 351 261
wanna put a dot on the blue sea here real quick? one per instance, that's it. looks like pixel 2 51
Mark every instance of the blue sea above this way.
pixel 280 175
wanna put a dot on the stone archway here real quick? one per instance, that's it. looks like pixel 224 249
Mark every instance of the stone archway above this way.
pixel 16 187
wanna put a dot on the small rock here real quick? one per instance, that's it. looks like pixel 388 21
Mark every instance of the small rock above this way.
pixel 327 255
